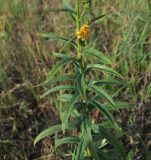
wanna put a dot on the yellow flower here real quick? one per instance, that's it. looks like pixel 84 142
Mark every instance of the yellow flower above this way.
pixel 83 33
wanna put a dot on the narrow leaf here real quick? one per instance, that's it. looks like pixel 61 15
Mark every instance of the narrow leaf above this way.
pixel 120 105
pixel 106 113
pixel 56 68
pixel 97 18
pixel 58 88
pixel 114 141
pixel 107 81
pixel 49 36
pixel 103 68
pixel 105 124
pixel 82 86
pixel 104 155
pixel 88 138
pixel 48 132
pixel 68 111
pixel 65 140
pixel 65 97
pixel 67 6
pixel 97 54
pixel 66 77
pixel 101 92
pixel 61 10
pixel 61 55
pixel 80 150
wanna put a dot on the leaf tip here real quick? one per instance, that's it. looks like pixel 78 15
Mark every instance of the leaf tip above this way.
pixel 42 96
pixel 35 141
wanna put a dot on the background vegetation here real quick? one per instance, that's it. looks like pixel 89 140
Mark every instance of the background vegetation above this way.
pixel 26 59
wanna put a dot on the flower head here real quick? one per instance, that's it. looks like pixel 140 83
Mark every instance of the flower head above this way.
pixel 83 33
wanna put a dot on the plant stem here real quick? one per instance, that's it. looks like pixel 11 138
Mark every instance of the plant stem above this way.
pixel 77 26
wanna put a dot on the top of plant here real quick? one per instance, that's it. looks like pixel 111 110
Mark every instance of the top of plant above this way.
pixel 83 33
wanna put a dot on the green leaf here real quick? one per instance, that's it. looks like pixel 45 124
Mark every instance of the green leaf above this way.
pixel 58 88
pixel 107 81
pixel 65 97
pixel 105 124
pixel 76 113
pixel 49 36
pixel 106 113
pixel 104 155
pixel 97 54
pixel 88 138
pixel 114 141
pixel 56 68
pixel 130 156
pixel 82 86
pixel 68 43
pixel 101 92
pixel 61 55
pixel 149 90
pixel 98 18
pixel 73 154
pixel 120 105
pixel 52 130
pixel 64 140
pixel 60 10
pixel 103 68
pixel 66 77
pixel 80 150
pixel 66 8
pixel 69 109
pixel 66 5
pixel 48 132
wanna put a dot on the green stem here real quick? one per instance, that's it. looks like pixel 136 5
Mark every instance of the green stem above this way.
pixel 77 26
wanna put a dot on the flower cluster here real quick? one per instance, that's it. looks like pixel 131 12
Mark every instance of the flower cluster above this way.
pixel 83 33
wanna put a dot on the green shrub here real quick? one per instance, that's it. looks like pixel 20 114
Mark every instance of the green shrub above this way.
pixel 82 92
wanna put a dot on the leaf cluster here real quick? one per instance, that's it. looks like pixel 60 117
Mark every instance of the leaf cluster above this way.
pixel 81 93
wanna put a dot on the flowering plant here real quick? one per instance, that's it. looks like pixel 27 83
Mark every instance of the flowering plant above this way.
pixel 81 94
